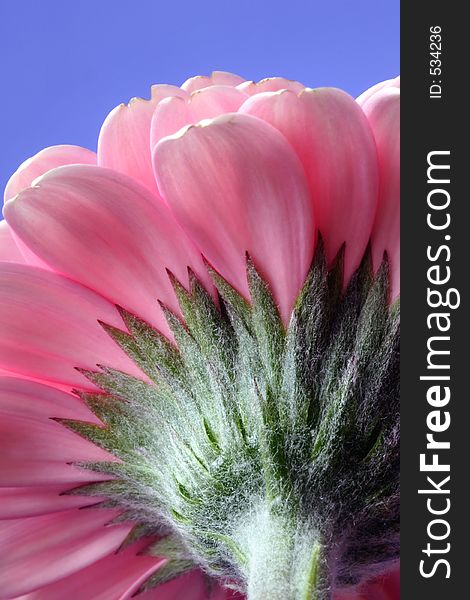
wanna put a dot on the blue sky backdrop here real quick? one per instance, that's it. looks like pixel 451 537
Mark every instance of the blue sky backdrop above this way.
pixel 65 64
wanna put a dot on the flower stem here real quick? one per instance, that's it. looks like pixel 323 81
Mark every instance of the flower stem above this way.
pixel 312 573
pixel 285 560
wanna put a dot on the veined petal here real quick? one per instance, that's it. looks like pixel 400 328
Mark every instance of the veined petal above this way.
pixel 333 140
pixel 206 103
pixel 217 78
pixel 58 386
pixel 383 112
pixel 40 550
pixel 115 577
pixel 106 231
pixel 44 453
pixel 25 398
pixel 49 325
pixel 44 472
pixel 9 251
pixel 43 161
pixel 36 450
pixel 21 502
pixel 236 186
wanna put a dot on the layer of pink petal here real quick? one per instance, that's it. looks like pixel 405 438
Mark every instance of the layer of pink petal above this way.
pixel 124 143
pixel 131 135
pixel 62 332
pixel 216 78
pixel 382 108
pixel 106 231
pixel 331 136
pixel 39 550
pixel 243 173
pixel 43 161
pixel 176 112
pixel 47 448
pixel 395 82
pixel 9 250
pixel 118 577
pixel 124 139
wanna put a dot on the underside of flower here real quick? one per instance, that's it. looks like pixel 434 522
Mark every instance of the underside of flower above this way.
pixel 242 375
pixel 266 456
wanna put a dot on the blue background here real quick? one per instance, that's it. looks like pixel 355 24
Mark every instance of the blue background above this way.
pixel 64 64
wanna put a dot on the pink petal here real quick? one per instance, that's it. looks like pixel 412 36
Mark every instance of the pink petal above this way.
pixel 225 78
pixel 213 101
pixel 372 90
pixel 106 231
pixel 385 587
pixel 9 251
pixel 124 140
pixel 196 83
pixel 174 113
pixel 332 138
pixel 235 185
pixel 376 88
pixel 119 576
pixel 383 112
pixel 160 91
pixel 37 451
pixel 40 550
pixel 30 473
pixel 270 84
pixel 31 399
pixel 49 326
pixel 115 577
pixel 26 399
pixel 170 116
pixel 18 502
pixel 191 586
pixel 22 376
pixel 217 78
pixel 43 161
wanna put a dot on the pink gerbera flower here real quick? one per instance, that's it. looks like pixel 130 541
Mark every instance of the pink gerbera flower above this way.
pixel 199 351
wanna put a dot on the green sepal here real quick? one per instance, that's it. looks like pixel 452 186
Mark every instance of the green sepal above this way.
pixel 266 326
pixel 244 413
pixel 169 547
pixel 158 352
pixel 230 296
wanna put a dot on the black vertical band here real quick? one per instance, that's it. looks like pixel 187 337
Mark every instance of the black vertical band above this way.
pixel 435 229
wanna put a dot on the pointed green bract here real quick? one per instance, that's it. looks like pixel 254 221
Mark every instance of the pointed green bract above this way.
pixel 257 452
